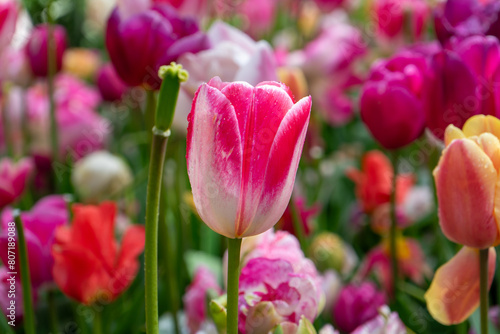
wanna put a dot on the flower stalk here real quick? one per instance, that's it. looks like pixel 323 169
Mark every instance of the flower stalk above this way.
pixel 233 279
pixel 29 317
pixel 483 286
pixel 393 228
pixel 161 131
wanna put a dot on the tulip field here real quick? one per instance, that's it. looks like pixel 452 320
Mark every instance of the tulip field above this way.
pixel 249 166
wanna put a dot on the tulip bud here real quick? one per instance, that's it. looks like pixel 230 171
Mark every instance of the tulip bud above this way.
pixel 327 252
pixel 171 76
pixel 37 48
pixel 218 312
pixel 100 175
pixel 110 84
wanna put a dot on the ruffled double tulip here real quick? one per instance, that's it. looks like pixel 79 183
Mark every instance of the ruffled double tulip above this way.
pixel 374 181
pixel 386 322
pixel 391 101
pixel 37 48
pixel 13 179
pixel 466 185
pixel 243 148
pixel 90 265
pixel 39 226
pixel 139 43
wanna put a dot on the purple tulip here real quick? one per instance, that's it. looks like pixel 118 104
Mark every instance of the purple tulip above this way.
pixel 450 95
pixel 110 85
pixel 37 52
pixel 140 43
pixel 39 225
pixel 391 105
pixel 356 305
pixel 482 55
pixel 464 18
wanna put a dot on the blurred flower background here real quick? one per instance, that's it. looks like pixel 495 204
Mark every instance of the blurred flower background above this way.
pixel 393 85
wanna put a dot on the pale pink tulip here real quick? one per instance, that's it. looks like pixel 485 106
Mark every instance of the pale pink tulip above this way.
pixel 243 148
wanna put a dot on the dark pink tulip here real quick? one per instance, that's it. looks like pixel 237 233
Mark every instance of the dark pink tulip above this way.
pixel 391 105
pixel 329 5
pixel 139 44
pixel 36 48
pixel 13 179
pixel 356 305
pixel 450 95
pixel 243 148
pixel 39 225
pixel 110 85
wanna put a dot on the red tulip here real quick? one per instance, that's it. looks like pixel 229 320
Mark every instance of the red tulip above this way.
pixel 89 264
pixel 37 52
pixel 243 148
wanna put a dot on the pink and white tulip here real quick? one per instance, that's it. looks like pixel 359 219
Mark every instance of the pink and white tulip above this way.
pixel 243 149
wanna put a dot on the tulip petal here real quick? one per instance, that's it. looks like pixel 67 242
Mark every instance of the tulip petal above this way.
pixel 465 182
pixel 94 226
pixel 454 292
pixel 281 167
pixel 490 145
pixel 128 263
pixel 451 133
pixel 214 159
pixel 481 124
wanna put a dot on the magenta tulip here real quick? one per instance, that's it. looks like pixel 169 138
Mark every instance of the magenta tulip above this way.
pixel 9 11
pixel 243 148
pixel 140 43
pixel 391 100
pixel 37 52
pixel 110 85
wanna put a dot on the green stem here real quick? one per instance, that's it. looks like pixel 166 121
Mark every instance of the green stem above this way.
pixel 158 149
pixel 7 126
pixel 393 227
pixel 29 317
pixel 149 113
pixel 97 325
pixel 169 259
pixel 233 281
pixel 483 281
pixel 51 56
pixel 54 327
pixel 298 224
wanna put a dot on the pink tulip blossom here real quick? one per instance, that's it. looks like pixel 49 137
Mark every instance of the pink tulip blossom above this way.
pixel 243 148
pixel 9 11
pixel 13 179
pixel 37 48
pixel 233 56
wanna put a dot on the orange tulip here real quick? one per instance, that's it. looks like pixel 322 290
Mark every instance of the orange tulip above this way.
pixel 466 184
